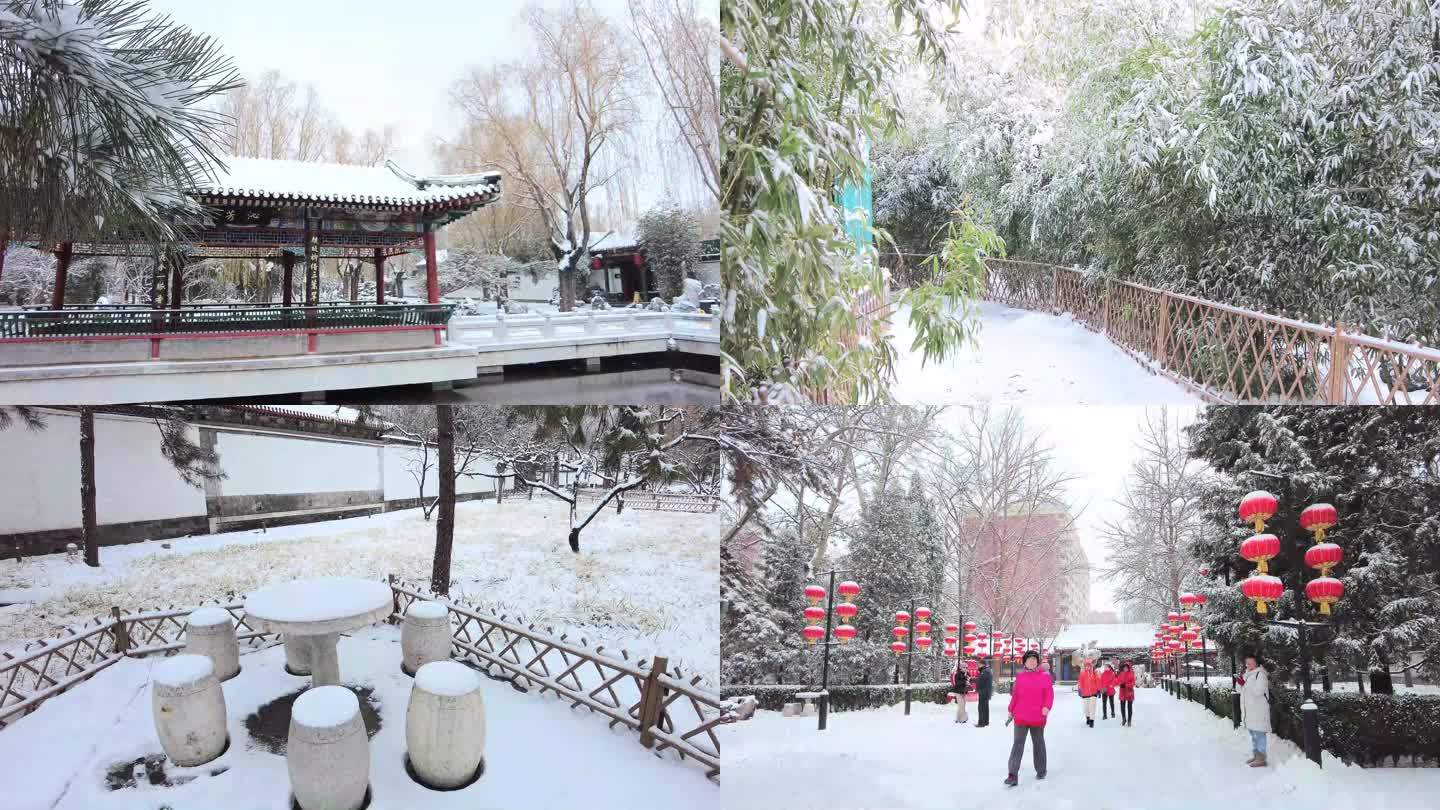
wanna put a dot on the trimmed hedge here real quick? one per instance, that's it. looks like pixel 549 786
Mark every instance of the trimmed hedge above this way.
pixel 1365 730
pixel 773 697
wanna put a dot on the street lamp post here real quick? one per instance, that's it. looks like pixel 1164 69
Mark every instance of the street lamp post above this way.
pixel 845 632
pixel 907 648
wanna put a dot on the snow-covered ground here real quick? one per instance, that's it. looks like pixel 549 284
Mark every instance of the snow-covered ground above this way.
pixel 1176 755
pixel 1032 358
pixel 643 581
pixel 538 751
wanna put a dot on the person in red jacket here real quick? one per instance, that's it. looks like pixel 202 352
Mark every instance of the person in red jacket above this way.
pixel 1089 687
pixel 1126 681
pixel 1107 689
pixel 1031 696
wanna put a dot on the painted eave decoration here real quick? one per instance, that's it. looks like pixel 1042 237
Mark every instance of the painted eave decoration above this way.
pixel 260 181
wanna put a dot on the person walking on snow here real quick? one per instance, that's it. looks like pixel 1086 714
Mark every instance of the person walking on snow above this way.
pixel 960 682
pixel 1126 681
pixel 1107 689
pixel 1089 687
pixel 1255 706
pixel 1031 696
pixel 983 686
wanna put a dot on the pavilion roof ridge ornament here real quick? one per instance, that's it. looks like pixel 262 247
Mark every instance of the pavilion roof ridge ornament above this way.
pixel 422 181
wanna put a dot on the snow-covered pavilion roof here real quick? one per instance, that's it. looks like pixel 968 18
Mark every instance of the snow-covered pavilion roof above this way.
pixel 299 182
pixel 612 240
pixel 1106 636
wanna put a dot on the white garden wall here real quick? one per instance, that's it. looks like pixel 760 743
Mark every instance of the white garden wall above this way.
pixel 272 464
pixel 40 481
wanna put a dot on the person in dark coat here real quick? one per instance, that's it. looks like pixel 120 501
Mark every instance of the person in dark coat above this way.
pixel 959 683
pixel 1380 682
pixel 983 686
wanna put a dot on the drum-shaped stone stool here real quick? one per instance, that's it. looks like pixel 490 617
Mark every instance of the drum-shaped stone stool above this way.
pixel 297 655
pixel 210 632
pixel 445 725
pixel 424 636
pixel 189 709
pixel 328 752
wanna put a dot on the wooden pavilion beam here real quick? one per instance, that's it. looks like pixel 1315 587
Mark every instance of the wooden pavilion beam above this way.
pixel 379 275
pixel 432 279
pixel 287 262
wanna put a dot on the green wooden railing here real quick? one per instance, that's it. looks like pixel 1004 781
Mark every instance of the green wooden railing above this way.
pixel 93 322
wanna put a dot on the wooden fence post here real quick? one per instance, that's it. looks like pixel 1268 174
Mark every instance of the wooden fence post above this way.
pixel 1055 290
pixel 1339 365
pixel 650 701
pixel 1162 329
pixel 122 633
pixel 1105 316
pixel 394 598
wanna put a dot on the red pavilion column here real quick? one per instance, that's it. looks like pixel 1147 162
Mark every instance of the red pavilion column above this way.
pixel 432 281
pixel 379 275
pixel 287 289
pixel 62 269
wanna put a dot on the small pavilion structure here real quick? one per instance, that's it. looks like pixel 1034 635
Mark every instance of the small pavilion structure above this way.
pixel 288 212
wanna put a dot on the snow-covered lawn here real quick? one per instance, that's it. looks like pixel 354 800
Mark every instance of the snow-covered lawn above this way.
pixel 538 751
pixel 643 581
pixel 1176 755
pixel 1031 358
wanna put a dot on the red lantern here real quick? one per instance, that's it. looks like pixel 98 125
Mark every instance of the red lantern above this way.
pixel 951 641
pixel 899 632
pixel 969 651
pixel 814 615
pixel 952 630
pixel 813 633
pixel 901 617
pixel 1184 618
pixel 848 590
pixel 1172 616
pixel 997 635
pixel 922 628
pixel 1261 589
pixel 1323 557
pixel 969 638
pixel 1316 518
pixel 970 627
pixel 1175 645
pixel 846 611
pixel 1199 599
pixel 1189 635
pixel 1187 600
pixel 1260 548
pixel 1160 634
pixel 922 613
pixel 923 642
pixel 897 647
pixel 1258 507
pixel 844 632
pixel 595 263
pixel 1324 591
pixel 949 652
pixel 815 594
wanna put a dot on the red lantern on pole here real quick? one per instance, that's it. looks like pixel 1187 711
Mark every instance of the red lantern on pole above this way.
pixel 970 627
pixel 952 630
pixel 814 615
pixel 949 652
pixel 1185 618
pixel 1258 507
pixel 813 633
pixel 844 632
pixel 815 594
pixel 1323 557
pixel 969 651
pixel 1262 589
pixel 1189 635
pixel 922 628
pixel 899 632
pixel 848 590
pixel 1259 549
pixel 922 613
pixel 1324 591
pixel 1187 600
pixel 1199 599
pixel 897 647
pixel 1316 518
pixel 923 642
pixel 901 617
pixel 1172 617
pixel 846 611
pixel 969 638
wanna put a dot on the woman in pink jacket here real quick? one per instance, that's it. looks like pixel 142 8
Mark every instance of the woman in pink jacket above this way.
pixel 1031 696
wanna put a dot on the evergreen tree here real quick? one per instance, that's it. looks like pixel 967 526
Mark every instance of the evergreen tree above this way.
pixel 1380 468
pixel 670 236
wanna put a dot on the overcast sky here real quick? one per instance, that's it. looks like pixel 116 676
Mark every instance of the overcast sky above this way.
pixel 378 62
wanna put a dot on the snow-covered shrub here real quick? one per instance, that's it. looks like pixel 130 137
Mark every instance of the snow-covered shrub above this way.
pixel 598 301
pixel 515 308
pixel 773 697
pixel 657 305
pixel 1364 729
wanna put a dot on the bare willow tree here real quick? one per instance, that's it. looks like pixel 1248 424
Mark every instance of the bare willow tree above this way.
pixel 682 52
pixel 561 120
pixel 1147 557
pixel 1007 522
pixel 103 118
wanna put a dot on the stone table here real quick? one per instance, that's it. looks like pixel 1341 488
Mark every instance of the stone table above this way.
pixel 316 612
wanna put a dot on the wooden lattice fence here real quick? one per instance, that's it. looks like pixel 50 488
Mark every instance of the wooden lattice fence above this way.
pixel 656 701
pixel 647 697
pixel 657 501
pixel 1224 353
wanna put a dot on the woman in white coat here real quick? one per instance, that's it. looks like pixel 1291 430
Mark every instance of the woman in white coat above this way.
pixel 1255 707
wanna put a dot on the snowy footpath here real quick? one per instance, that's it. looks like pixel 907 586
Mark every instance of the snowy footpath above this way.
pixel 1176 755
pixel 538 751
pixel 643 581
pixel 1024 357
